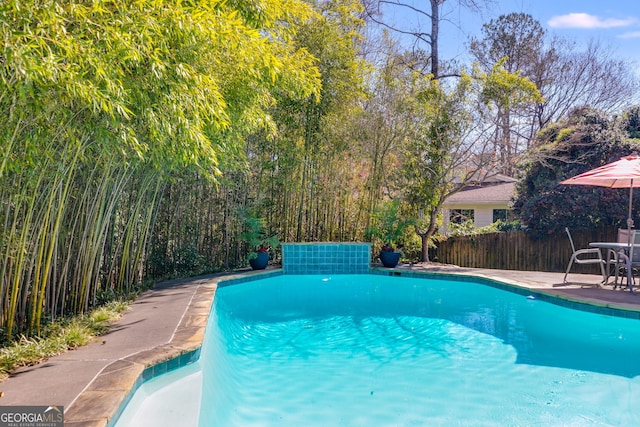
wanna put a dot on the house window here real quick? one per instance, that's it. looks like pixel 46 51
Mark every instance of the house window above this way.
pixel 459 216
pixel 501 214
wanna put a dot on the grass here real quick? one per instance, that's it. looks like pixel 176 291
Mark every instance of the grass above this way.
pixel 59 337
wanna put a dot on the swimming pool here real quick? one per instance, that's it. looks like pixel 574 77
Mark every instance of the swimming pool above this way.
pixel 370 350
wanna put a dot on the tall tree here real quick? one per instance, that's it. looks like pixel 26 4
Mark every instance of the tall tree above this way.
pixel 592 77
pixel 566 77
pixel 517 41
pixel 448 149
pixel 424 29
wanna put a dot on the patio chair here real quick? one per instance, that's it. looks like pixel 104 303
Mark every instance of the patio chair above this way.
pixel 613 256
pixel 584 256
pixel 630 259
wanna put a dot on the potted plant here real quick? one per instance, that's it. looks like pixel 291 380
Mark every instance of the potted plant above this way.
pixel 256 237
pixel 259 258
pixel 389 257
pixel 389 227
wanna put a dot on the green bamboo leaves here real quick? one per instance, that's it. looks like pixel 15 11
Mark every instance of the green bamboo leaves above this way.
pixel 101 104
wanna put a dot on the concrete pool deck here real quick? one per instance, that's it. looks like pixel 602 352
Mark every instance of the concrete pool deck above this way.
pixel 169 320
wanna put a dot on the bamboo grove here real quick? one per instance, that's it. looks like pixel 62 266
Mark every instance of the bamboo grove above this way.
pixel 117 120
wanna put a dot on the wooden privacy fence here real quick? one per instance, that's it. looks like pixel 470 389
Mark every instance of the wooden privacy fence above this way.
pixel 517 250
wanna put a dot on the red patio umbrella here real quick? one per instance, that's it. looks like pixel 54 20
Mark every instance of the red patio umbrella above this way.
pixel 624 173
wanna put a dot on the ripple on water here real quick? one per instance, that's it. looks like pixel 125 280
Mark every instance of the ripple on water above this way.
pixel 405 367
pixel 398 371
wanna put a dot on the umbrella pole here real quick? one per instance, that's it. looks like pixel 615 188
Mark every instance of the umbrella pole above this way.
pixel 629 219
pixel 629 226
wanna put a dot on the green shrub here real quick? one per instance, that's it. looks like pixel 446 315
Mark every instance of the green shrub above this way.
pixel 467 228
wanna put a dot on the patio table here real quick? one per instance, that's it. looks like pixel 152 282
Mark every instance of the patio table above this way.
pixel 616 248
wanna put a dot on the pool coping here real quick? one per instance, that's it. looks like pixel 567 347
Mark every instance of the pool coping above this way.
pixel 102 400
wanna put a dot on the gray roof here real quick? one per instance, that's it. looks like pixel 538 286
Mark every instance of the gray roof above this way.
pixel 481 177
pixel 497 193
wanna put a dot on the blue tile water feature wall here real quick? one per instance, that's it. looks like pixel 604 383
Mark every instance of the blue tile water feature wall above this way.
pixel 326 258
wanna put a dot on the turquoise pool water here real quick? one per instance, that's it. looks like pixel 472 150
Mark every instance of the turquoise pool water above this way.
pixel 368 350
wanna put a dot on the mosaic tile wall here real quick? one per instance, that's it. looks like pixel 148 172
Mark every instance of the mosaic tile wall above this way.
pixel 326 258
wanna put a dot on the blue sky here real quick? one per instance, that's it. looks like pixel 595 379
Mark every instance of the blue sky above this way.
pixel 615 23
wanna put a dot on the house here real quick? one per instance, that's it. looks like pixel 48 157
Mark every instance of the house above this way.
pixel 481 202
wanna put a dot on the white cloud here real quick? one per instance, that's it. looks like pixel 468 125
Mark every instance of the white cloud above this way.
pixel 630 35
pixel 584 20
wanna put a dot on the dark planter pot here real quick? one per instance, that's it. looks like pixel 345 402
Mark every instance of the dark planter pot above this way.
pixel 389 259
pixel 260 262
